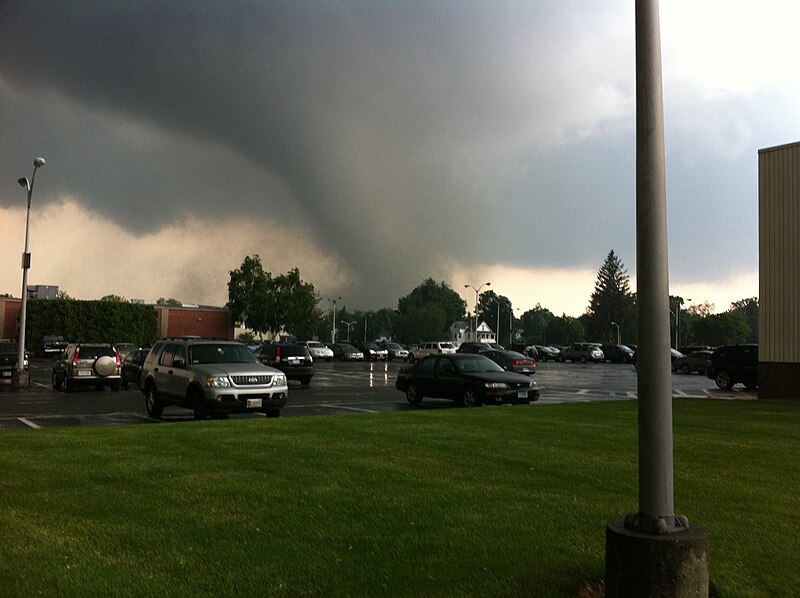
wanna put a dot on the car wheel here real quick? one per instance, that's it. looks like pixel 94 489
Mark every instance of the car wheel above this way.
pixel 413 395
pixel 560 359
pixel 124 382
pixel 411 358
pixel 56 382
pixel 272 413
pixel 685 369
pixel 152 403
pixel 470 398
pixel 105 365
pixel 305 381
pixel 583 359
pixel 723 380
pixel 199 406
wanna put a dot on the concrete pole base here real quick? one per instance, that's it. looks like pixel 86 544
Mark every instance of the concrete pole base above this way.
pixel 640 565
pixel 20 379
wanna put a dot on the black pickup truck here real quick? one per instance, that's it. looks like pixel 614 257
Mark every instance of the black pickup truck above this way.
pixel 51 346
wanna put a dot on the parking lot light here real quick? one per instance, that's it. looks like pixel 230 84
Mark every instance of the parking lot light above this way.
pixel 21 376
pixel 478 290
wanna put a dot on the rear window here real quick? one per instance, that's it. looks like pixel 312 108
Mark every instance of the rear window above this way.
pixel 95 351
pixel 8 349
pixel 292 350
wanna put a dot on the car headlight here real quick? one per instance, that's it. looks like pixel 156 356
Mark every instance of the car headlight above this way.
pixel 279 380
pixel 496 385
pixel 217 382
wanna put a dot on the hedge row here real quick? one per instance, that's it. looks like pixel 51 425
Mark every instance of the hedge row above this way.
pixel 90 321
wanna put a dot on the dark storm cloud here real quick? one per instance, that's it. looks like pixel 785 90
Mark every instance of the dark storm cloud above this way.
pixel 396 134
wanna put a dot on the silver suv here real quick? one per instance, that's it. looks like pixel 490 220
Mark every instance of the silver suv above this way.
pixel 84 364
pixel 431 348
pixel 210 377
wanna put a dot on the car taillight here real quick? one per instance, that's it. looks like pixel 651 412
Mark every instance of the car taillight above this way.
pixel 116 356
pixel 75 358
pixel 277 354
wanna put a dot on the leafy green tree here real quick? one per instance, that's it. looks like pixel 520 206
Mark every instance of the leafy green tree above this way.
pixel 534 325
pixel 611 301
pixel 171 301
pixel 488 312
pixel 114 299
pixel 564 330
pixel 248 291
pixel 443 305
pixel 722 329
pixel 749 309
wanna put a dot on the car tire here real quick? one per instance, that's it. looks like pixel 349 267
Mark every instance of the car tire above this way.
pixel 56 382
pixel 723 380
pixel 124 382
pixel 413 395
pixel 271 413
pixel 685 368
pixel 411 358
pixel 104 366
pixel 583 359
pixel 199 406
pixel 470 397
pixel 560 359
pixel 152 403
pixel 305 381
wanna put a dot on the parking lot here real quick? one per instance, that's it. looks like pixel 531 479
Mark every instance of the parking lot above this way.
pixel 338 388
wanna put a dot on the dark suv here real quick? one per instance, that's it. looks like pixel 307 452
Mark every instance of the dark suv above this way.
pixel 9 355
pixel 732 364
pixel 210 377
pixel 293 360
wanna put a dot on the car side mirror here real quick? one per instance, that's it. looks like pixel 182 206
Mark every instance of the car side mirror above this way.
pixel 179 362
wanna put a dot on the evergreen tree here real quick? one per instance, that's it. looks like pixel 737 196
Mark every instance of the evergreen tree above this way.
pixel 611 301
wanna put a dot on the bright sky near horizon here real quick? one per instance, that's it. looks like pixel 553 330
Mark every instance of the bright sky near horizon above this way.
pixel 373 145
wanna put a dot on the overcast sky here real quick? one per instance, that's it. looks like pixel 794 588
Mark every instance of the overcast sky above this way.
pixel 373 144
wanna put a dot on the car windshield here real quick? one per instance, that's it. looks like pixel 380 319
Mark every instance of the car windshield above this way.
pixel 346 347
pixel 478 363
pixel 221 353
pixel 315 345
pixel 8 349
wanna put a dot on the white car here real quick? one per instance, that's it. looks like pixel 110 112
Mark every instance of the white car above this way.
pixel 317 350
pixel 431 348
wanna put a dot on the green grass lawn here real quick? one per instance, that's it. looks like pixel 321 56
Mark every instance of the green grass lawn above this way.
pixel 459 502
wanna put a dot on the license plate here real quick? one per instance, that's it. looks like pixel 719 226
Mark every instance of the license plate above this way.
pixel 84 372
pixel 522 394
pixel 6 374
pixel 253 403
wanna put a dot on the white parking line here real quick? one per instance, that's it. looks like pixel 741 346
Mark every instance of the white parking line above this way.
pixel 29 423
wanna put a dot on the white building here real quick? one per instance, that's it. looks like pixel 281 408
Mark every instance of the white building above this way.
pixel 462 332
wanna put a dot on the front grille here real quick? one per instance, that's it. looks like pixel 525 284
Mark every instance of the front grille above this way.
pixel 252 380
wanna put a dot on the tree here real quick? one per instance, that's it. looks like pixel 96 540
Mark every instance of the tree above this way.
pixel 611 301
pixel 445 307
pixel 534 325
pixel 170 301
pixel 564 330
pixel 749 309
pixel 272 305
pixel 722 329
pixel 488 311
pixel 114 299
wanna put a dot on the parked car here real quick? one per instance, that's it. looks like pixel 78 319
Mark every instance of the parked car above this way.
pixel 733 364
pixel 582 352
pixel 318 350
pixel 211 378
pixel 469 378
pixel 527 350
pixel 617 353
pixel 124 348
pixel 293 360
pixel 394 350
pixel 132 367
pixel 547 352
pixel 346 352
pixel 471 347
pixel 695 361
pixel 674 355
pixel 371 351
pixel 52 345
pixel 85 364
pixel 512 361
pixel 431 348
pixel 9 356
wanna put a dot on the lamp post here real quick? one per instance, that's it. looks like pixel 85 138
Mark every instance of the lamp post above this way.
pixel 678 322
pixel 20 377
pixel 619 342
pixel 333 329
pixel 348 324
pixel 478 290
pixel 365 328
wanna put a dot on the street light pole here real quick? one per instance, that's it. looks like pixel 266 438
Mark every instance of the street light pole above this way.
pixel 619 342
pixel 348 324
pixel 19 378
pixel 333 330
pixel 478 290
